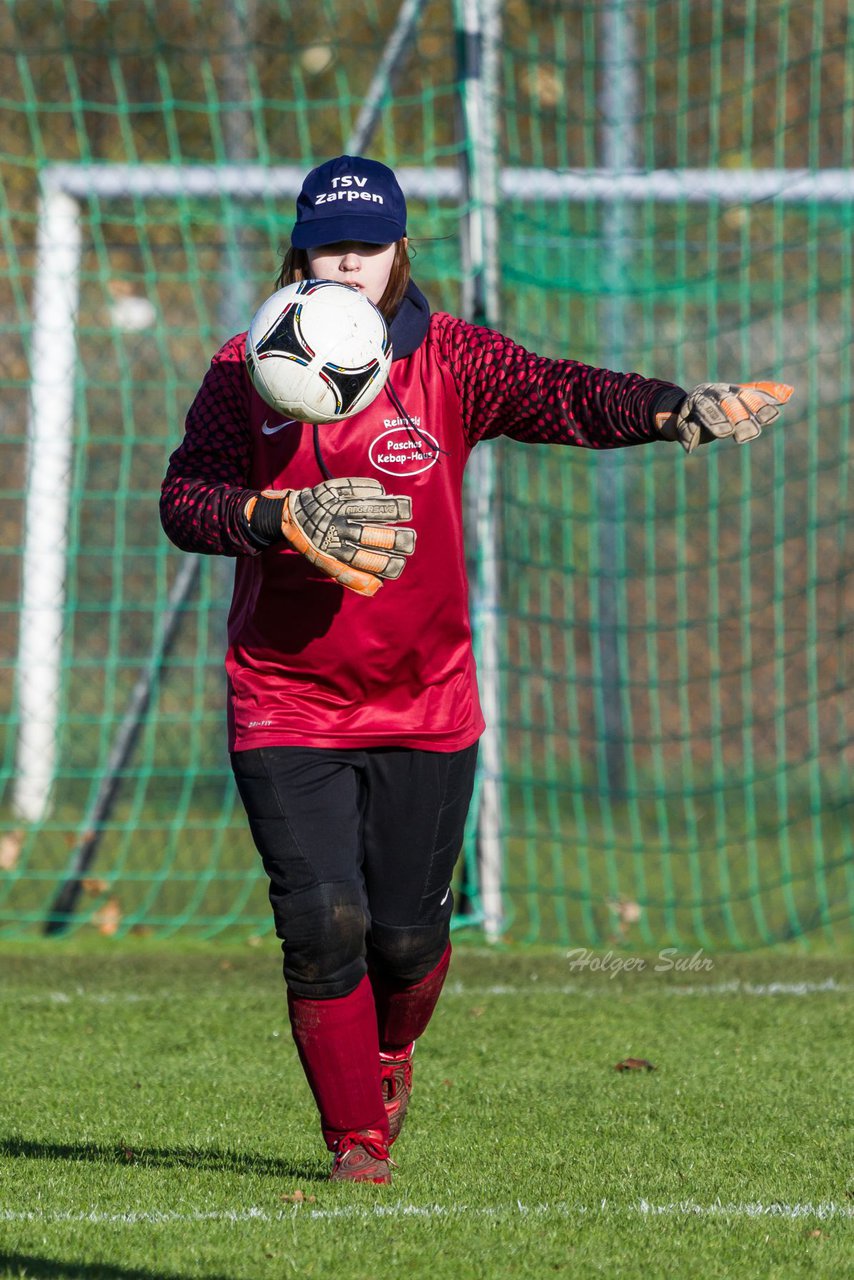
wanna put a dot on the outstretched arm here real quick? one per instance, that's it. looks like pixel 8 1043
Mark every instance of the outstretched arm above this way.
pixel 507 390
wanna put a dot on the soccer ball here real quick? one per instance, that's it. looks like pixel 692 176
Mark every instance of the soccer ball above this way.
pixel 318 351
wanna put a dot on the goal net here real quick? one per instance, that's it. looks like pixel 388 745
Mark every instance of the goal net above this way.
pixel 665 187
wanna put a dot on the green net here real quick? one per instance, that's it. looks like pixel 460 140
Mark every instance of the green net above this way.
pixel 672 665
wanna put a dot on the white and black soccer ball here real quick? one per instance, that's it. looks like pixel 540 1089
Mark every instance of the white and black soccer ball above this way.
pixel 318 351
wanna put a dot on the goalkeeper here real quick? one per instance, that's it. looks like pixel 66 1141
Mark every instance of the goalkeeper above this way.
pixel 353 707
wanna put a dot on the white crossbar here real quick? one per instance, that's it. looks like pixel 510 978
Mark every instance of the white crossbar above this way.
pixel 255 182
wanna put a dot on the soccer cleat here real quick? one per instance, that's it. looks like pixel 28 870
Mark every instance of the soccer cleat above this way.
pixel 361 1156
pixel 396 1077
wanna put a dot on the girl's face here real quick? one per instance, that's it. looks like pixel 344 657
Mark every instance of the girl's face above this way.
pixel 367 266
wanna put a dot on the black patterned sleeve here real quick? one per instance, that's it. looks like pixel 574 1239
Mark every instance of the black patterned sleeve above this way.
pixel 506 390
pixel 205 488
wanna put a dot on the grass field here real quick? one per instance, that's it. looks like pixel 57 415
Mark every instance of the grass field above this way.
pixel 155 1123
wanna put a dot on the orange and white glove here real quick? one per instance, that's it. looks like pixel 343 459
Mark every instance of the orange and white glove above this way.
pixel 716 410
pixel 346 529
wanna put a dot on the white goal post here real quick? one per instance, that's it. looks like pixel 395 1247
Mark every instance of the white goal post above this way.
pixel 53 353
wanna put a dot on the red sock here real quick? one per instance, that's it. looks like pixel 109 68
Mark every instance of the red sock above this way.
pixel 339 1051
pixel 404 1011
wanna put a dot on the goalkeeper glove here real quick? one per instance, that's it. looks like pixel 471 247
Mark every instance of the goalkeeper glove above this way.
pixel 714 410
pixel 343 527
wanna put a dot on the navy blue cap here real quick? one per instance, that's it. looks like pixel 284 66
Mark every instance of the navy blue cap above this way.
pixel 349 198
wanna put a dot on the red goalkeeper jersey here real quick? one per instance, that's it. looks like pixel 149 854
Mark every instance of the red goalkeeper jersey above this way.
pixel 310 663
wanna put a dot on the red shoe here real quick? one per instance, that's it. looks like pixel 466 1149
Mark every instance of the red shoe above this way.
pixel 361 1156
pixel 396 1076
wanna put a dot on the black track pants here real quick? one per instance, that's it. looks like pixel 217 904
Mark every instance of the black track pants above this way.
pixel 360 848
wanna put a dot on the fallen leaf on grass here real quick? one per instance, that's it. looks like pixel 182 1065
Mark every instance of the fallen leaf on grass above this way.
pixel 626 912
pixel 298 1197
pixel 94 886
pixel 635 1064
pixel 10 850
pixel 108 918
pixel 623 915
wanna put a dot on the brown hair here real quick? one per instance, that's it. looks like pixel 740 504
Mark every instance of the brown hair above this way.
pixel 295 267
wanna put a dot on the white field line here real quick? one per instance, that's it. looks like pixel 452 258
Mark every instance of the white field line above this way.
pixel 823 1211
pixel 586 991
pixel 593 991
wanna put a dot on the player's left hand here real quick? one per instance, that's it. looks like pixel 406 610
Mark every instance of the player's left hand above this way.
pixel 716 410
